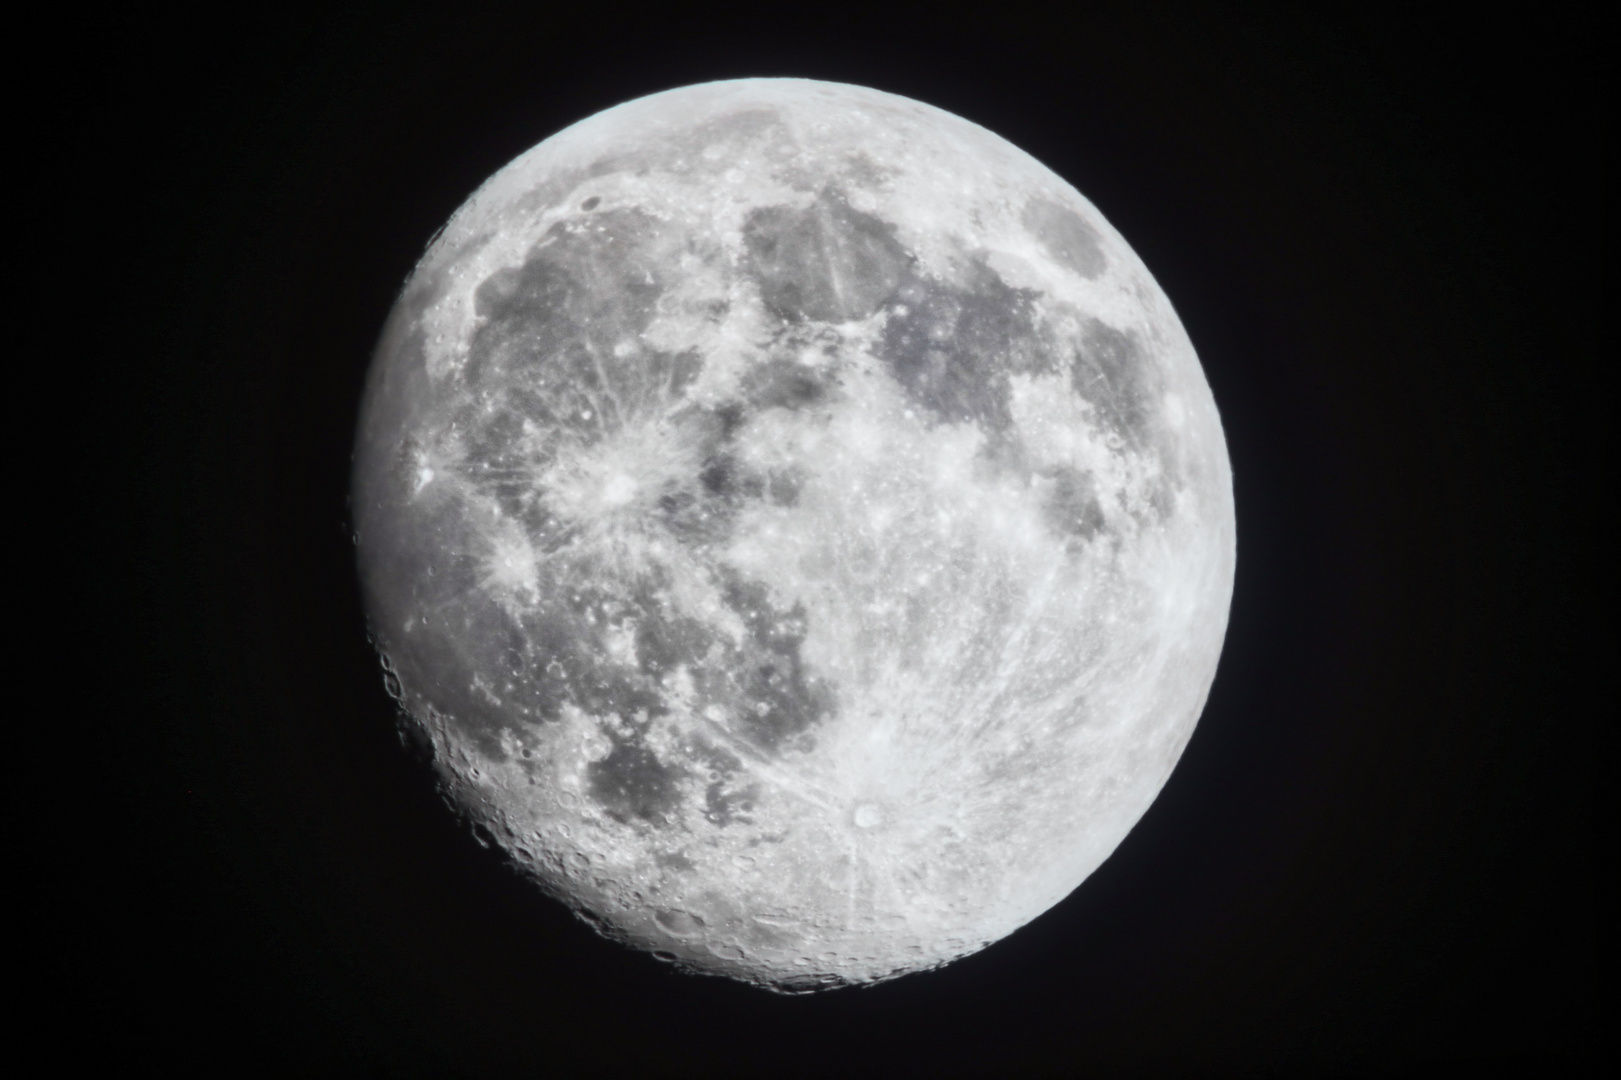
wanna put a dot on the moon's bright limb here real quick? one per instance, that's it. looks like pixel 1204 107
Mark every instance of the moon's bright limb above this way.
pixel 800 523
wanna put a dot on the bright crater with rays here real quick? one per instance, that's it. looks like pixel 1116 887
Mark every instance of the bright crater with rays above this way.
pixel 800 525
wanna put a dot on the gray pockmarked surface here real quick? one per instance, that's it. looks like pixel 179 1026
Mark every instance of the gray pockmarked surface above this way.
pixel 800 524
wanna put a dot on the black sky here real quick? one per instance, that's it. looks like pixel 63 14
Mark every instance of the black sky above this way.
pixel 1379 853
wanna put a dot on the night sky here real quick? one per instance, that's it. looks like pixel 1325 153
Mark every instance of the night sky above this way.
pixel 1378 854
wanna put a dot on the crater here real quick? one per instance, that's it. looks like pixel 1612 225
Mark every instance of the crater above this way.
pixel 729 797
pixel 1068 238
pixel 679 923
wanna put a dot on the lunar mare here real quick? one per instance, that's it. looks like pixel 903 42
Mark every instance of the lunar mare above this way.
pixel 800 525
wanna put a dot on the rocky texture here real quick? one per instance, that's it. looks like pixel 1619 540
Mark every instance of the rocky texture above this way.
pixel 800 526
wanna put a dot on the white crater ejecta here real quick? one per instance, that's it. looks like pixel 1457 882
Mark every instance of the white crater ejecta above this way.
pixel 799 523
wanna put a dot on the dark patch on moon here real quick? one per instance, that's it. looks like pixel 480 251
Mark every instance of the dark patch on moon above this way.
pixel 494 671
pixel 1113 371
pixel 724 477
pixel 729 795
pixel 787 384
pixel 689 520
pixel 1071 505
pixel 953 347
pixel 666 641
pixel 827 261
pixel 566 325
pixel 763 686
pixel 702 512
pixel 862 171
pixel 1067 236
pixel 631 782
pixel 447 659
pixel 783 486
pixel 724 805
pixel 555 656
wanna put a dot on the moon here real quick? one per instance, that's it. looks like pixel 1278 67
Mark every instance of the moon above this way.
pixel 799 524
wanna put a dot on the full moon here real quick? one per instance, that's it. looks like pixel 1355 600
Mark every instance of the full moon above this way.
pixel 800 525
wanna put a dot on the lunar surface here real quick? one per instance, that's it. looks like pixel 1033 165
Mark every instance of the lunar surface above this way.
pixel 799 524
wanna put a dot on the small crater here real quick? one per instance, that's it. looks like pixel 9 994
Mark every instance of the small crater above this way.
pixel 591 204
pixel 679 923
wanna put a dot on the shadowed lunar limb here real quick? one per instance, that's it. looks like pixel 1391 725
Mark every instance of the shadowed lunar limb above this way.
pixel 799 526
